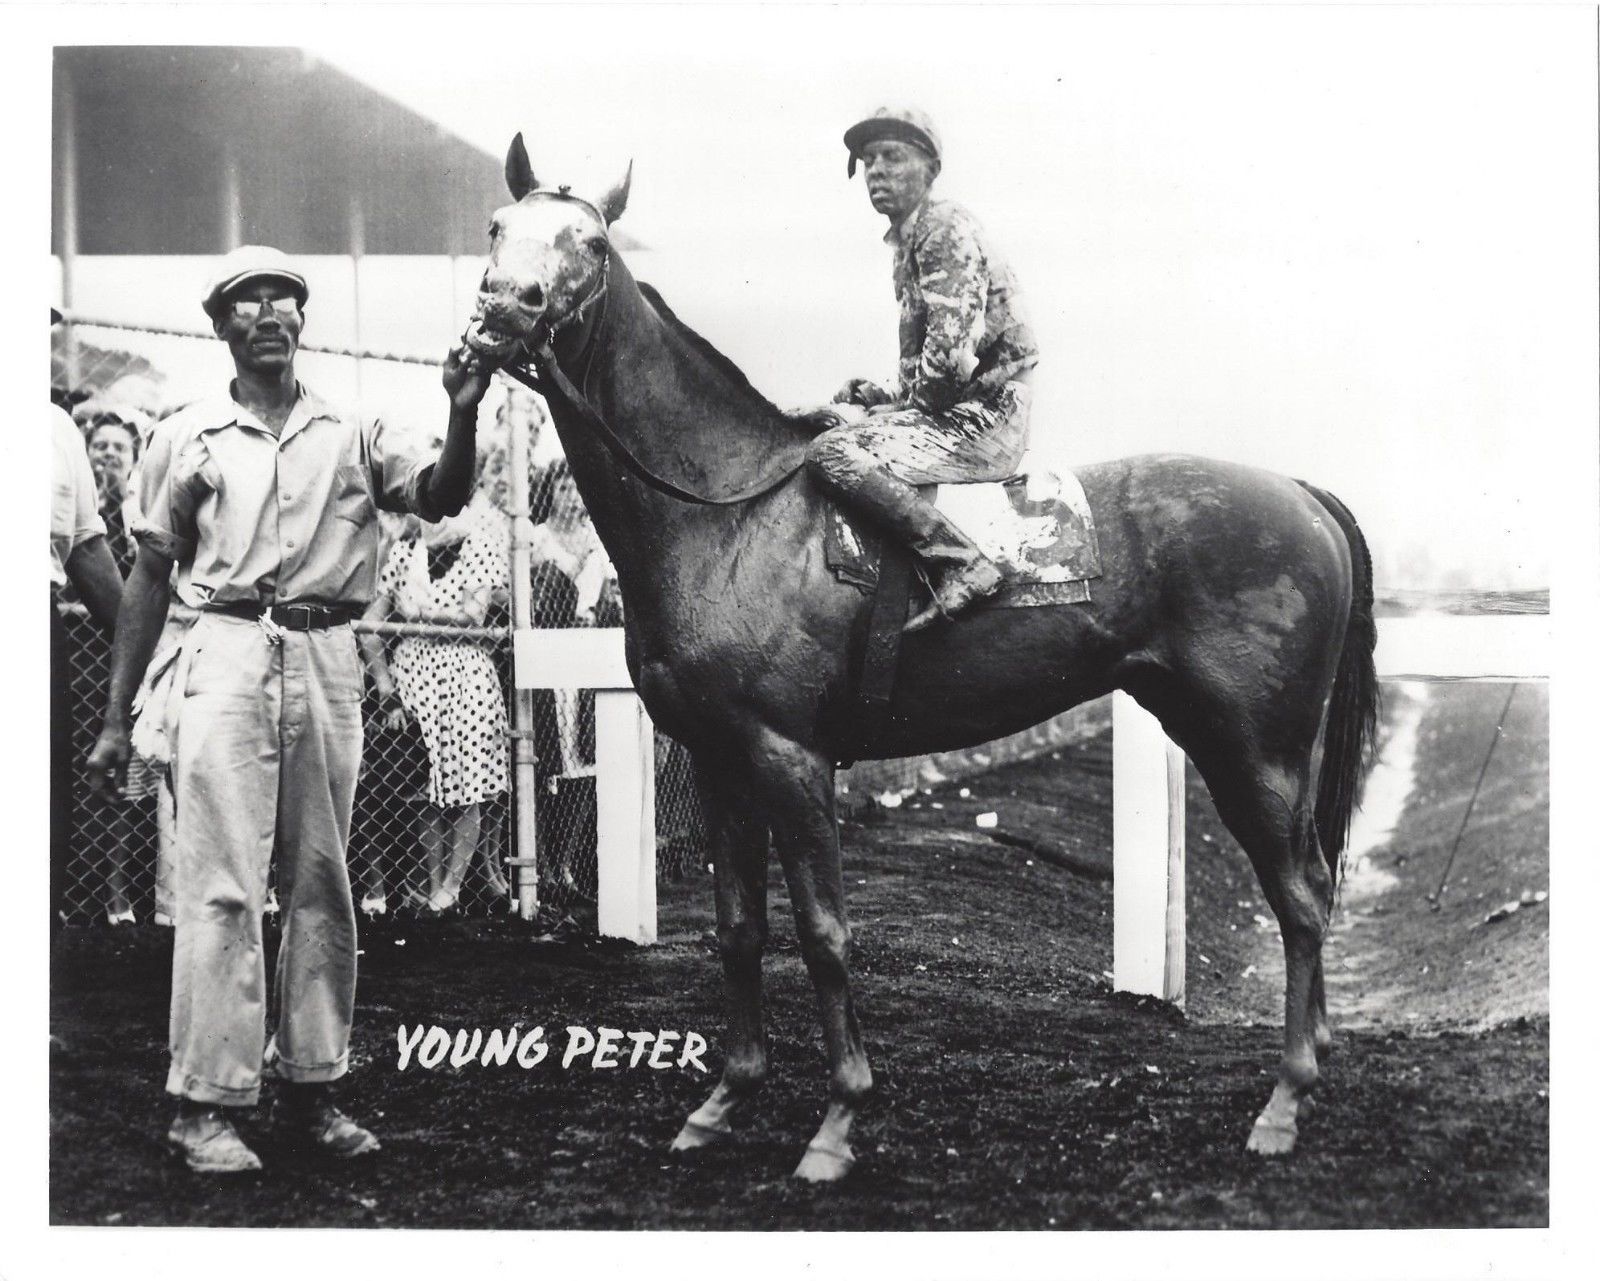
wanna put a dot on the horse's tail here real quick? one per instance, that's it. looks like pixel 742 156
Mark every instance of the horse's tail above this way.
pixel 1350 736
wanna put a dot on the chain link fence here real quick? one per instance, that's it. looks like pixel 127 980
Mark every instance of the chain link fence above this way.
pixel 401 844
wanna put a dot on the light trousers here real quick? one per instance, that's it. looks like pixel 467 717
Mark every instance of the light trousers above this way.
pixel 268 749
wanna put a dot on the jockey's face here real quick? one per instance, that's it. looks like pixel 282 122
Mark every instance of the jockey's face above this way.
pixel 898 177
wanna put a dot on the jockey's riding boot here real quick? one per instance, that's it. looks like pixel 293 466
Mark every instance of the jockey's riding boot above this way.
pixel 967 574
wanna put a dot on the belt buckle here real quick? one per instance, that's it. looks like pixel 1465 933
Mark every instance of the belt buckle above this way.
pixel 302 611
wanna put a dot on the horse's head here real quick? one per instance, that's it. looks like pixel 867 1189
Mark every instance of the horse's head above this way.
pixel 549 255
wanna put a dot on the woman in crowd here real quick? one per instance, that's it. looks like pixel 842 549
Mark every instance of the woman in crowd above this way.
pixel 115 433
pixel 575 586
pixel 449 572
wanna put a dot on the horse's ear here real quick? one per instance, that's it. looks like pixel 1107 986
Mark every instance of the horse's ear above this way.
pixel 616 200
pixel 519 173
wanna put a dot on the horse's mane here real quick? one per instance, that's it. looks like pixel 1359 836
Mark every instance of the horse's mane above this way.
pixel 808 422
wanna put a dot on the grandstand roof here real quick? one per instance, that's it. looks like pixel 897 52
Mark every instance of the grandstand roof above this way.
pixel 193 149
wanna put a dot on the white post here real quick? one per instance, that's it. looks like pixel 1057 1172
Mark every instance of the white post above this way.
pixel 625 777
pixel 625 816
pixel 1147 779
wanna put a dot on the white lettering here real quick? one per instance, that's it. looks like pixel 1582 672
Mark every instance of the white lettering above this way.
pixel 694 1045
pixel 640 1040
pixel 499 1048
pixel 605 1055
pixel 434 1047
pixel 461 1055
pixel 579 1041
pixel 532 1043
pixel 407 1044
pixel 661 1056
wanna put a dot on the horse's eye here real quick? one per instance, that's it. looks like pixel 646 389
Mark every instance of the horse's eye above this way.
pixel 597 245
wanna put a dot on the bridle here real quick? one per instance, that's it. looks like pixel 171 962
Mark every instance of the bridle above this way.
pixel 542 374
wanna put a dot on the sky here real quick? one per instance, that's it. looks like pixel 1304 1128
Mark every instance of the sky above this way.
pixel 1355 245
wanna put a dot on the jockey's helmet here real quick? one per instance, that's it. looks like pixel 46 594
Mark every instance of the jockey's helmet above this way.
pixel 895 124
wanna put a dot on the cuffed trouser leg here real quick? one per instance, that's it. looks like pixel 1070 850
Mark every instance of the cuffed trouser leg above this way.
pixel 316 978
pixel 268 742
pixel 225 781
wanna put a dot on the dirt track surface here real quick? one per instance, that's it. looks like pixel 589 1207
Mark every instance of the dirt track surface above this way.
pixel 1014 1089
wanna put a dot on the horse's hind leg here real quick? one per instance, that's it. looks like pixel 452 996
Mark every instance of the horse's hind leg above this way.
pixel 737 840
pixel 1269 808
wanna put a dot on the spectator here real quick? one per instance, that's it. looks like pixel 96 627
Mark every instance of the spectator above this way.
pixel 449 573
pixel 394 765
pixel 571 565
pixel 113 441
pixel 80 557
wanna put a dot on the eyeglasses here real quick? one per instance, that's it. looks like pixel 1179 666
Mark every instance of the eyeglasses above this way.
pixel 249 309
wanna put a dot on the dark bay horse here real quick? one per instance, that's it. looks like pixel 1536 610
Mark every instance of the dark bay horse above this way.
pixel 1235 605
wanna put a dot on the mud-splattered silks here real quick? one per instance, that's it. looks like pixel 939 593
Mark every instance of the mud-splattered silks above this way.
pixel 961 409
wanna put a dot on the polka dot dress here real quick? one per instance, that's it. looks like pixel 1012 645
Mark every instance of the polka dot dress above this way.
pixel 450 686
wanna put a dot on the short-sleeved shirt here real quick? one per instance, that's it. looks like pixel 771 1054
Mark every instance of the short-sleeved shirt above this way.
pixel 74 513
pixel 251 517
pixel 962 332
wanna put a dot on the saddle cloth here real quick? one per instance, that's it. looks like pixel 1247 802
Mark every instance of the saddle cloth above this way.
pixel 1037 527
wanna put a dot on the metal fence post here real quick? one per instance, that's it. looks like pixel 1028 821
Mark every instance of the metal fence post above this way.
pixel 525 786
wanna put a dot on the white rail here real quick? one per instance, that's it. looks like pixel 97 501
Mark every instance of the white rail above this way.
pixel 1148 812
pixel 1147 780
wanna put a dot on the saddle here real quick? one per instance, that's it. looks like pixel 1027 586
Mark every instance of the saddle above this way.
pixel 1037 527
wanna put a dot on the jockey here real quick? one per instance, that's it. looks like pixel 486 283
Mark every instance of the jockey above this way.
pixel 966 356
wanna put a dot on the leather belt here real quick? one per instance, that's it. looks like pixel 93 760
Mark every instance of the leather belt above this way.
pixel 294 618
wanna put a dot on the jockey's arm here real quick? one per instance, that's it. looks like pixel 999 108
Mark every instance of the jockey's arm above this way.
pixel 953 278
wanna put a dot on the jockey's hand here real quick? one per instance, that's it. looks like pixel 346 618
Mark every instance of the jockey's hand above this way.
pixel 863 392
pixel 466 377
pixel 107 764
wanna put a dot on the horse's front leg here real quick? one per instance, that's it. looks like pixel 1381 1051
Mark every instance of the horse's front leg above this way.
pixel 796 787
pixel 737 840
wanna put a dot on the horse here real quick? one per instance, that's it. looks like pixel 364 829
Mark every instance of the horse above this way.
pixel 1235 605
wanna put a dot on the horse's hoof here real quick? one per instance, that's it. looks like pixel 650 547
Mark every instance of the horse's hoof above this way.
pixel 694 1136
pixel 824 1165
pixel 1270 1139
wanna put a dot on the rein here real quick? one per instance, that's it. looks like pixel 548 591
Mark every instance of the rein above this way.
pixel 546 375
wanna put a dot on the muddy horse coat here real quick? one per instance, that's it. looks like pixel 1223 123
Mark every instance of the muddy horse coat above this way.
pixel 1236 605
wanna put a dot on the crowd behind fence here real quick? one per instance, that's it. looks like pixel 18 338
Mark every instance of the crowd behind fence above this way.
pixel 121 857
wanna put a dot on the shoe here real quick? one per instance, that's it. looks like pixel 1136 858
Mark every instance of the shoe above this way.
pixel 209 1144
pixel 116 919
pixel 957 589
pixel 375 905
pixel 319 1126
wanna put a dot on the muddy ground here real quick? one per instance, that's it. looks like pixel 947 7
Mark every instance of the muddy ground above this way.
pixel 1015 1090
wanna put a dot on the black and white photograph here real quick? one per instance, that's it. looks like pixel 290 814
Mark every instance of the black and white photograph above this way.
pixel 935 621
